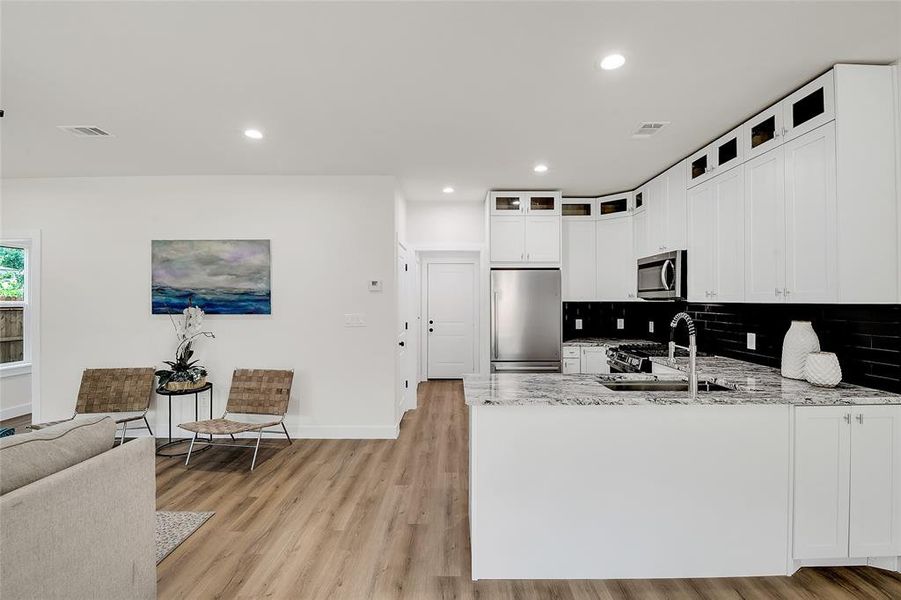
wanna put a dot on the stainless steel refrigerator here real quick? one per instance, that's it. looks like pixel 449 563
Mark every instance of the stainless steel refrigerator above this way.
pixel 526 320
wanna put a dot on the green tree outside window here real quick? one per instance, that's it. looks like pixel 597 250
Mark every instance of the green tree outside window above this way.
pixel 12 273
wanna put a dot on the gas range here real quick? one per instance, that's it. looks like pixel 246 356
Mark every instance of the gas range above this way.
pixel 636 358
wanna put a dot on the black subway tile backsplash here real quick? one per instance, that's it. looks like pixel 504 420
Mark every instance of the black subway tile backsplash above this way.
pixel 866 338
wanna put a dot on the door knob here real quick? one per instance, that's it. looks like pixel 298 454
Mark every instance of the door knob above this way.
pixel 400 344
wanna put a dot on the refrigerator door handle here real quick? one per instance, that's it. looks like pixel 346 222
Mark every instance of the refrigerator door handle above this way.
pixel 494 323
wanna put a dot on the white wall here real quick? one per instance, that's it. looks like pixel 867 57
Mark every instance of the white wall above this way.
pixel 15 395
pixel 445 223
pixel 329 235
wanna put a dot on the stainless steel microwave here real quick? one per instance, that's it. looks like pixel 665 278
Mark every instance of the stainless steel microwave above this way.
pixel 663 276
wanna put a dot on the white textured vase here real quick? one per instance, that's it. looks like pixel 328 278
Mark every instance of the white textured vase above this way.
pixel 822 368
pixel 800 340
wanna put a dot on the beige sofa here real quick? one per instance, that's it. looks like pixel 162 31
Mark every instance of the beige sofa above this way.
pixel 77 515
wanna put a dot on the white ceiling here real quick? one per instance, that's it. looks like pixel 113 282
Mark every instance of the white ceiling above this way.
pixel 464 94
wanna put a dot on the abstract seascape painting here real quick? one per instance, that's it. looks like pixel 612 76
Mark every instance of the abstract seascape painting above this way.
pixel 223 277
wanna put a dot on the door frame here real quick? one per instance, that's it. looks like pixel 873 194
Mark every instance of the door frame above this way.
pixel 477 255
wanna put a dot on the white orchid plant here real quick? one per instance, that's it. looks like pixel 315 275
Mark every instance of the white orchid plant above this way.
pixel 187 329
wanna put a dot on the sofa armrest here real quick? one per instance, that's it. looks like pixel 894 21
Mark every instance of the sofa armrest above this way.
pixel 84 532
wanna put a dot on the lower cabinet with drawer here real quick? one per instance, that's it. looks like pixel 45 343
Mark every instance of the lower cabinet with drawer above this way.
pixel 847 492
pixel 585 359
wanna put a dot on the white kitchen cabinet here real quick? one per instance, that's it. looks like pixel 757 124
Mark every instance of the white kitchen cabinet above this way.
pixel 846 484
pixel 524 228
pixel 716 222
pixel 822 481
pixel 655 215
pixel 640 246
pixel 875 511
pixel 542 239
pixel 594 360
pixel 791 221
pixel 676 228
pixel 616 267
pixel 765 227
pixel 572 366
pixel 614 206
pixel 810 217
pixel 508 242
pixel 763 132
pixel 666 214
pixel 507 203
pixel 809 107
pixel 579 266
pixel 715 158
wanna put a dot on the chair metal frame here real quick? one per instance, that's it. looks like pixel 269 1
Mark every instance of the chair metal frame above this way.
pixel 260 432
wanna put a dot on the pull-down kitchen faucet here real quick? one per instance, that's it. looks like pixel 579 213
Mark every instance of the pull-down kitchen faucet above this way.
pixel 692 350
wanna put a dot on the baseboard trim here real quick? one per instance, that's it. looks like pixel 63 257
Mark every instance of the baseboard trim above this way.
pixel 15 411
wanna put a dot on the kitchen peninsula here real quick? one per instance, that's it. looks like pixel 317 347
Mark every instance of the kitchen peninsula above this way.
pixel 570 479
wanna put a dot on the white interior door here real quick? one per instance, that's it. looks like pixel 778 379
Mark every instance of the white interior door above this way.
pixel 451 320
pixel 402 380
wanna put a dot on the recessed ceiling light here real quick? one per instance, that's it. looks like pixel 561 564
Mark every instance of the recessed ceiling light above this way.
pixel 540 168
pixel 448 190
pixel 613 61
pixel 254 134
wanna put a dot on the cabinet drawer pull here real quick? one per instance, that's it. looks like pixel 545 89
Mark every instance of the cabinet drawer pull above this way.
pixel 778 292
pixel 847 417
pixel 860 418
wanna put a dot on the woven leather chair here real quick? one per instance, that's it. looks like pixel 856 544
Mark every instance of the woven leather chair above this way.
pixel 253 392
pixel 123 393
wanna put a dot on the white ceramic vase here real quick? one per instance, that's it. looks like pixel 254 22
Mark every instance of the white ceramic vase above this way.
pixel 822 369
pixel 800 340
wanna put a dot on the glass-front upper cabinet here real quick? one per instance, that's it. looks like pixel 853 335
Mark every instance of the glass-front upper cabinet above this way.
pixel 507 203
pixel 700 166
pixel 726 152
pixel 811 106
pixel 543 203
pixel 763 132
pixel 614 205
pixel 579 208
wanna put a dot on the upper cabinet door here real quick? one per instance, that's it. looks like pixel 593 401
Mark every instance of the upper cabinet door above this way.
pixel 728 151
pixel 765 227
pixel 658 214
pixel 508 239
pixel 701 243
pixel 700 166
pixel 729 196
pixel 543 203
pixel 579 267
pixel 507 203
pixel 811 106
pixel 616 275
pixel 542 239
pixel 763 132
pixel 875 528
pixel 811 262
pixel 614 205
pixel 676 210
pixel 822 480
pixel 582 209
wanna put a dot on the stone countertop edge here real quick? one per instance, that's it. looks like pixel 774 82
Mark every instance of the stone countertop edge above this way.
pixel 749 383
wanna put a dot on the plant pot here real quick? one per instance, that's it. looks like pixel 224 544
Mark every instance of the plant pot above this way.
pixel 800 340
pixel 181 386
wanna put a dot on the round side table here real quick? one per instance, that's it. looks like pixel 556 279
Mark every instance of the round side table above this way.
pixel 170 393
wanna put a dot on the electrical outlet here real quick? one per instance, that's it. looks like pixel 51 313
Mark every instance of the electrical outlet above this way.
pixel 752 341
pixel 620 323
pixel 578 323
pixel 650 326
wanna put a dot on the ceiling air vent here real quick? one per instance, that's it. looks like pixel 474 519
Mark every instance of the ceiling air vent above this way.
pixel 85 131
pixel 649 128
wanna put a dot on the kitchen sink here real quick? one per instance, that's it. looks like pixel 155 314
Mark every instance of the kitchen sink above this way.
pixel 662 386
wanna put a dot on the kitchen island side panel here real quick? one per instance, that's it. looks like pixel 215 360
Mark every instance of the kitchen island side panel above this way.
pixel 609 492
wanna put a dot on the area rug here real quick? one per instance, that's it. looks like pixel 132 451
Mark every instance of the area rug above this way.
pixel 172 528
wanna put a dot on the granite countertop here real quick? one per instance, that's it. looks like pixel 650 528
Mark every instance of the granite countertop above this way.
pixel 604 341
pixel 749 383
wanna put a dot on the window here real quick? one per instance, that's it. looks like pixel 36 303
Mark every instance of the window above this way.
pixel 14 304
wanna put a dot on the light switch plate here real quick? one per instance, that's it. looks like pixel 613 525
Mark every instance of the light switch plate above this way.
pixel 620 323
pixel 375 285
pixel 752 341
pixel 650 326
pixel 354 320
pixel 578 323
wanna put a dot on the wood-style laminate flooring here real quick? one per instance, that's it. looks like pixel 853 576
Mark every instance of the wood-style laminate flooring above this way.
pixel 387 519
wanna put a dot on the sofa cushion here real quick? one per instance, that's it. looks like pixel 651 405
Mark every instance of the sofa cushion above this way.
pixel 31 456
